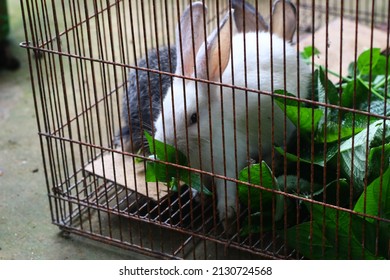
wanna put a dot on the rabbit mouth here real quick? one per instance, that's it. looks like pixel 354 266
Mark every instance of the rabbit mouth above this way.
pixel 194 149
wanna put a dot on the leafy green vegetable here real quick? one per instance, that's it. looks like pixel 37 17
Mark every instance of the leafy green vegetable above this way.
pixel 367 60
pixel 334 125
pixel 335 192
pixel 354 152
pixel 370 78
pixel 328 235
pixel 308 52
pixel 307 239
pixel 375 159
pixel 172 175
pixel 326 91
pixel 257 223
pixel 306 119
pixel 355 94
pixel 375 236
pixel 380 107
pixel 361 143
pixel 306 155
pixel 164 151
pixel 259 199
pixel 375 200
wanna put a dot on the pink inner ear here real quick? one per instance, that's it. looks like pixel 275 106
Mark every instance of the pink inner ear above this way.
pixel 284 20
pixel 218 52
pixel 188 52
pixel 188 67
pixel 219 56
pixel 189 37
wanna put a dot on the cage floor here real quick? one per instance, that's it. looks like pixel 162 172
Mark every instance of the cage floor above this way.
pixel 173 227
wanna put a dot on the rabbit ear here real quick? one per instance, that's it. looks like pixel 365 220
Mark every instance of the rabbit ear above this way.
pixel 284 17
pixel 247 18
pixel 190 34
pixel 212 60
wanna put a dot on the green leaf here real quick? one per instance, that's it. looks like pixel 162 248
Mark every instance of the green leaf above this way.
pixel 327 236
pixel 354 152
pixel 151 171
pixel 164 151
pixel 375 159
pixel 367 60
pixel 309 51
pixel 336 193
pixel 193 180
pixel 307 238
pixel 326 90
pixel 371 82
pixel 380 68
pixel 305 119
pixel 257 223
pixel 330 129
pixel 286 101
pixel 171 175
pixel 351 124
pixel 260 199
pixel 374 236
pixel 376 198
pixel 381 134
pixel 375 201
pixel 156 171
pixel 355 93
pixel 351 70
pixel 379 107
pixel 346 244
pixel 306 154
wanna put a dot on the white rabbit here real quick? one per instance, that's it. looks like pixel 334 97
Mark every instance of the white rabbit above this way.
pixel 142 102
pixel 219 128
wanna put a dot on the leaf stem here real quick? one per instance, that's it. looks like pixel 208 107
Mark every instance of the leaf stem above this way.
pixel 331 72
pixel 381 82
pixel 371 88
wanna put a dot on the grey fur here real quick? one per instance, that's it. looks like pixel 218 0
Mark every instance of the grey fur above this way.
pixel 141 104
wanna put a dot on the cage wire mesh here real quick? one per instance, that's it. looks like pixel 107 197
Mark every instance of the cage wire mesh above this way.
pixel 326 196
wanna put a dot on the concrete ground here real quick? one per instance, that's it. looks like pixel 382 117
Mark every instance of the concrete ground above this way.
pixel 25 228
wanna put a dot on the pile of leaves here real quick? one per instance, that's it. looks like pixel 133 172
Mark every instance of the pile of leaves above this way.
pixel 347 137
pixel 167 167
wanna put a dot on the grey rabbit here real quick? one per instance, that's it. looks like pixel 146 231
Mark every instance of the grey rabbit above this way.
pixel 138 112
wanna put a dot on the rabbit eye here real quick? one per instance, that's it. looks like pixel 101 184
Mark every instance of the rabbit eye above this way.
pixel 194 118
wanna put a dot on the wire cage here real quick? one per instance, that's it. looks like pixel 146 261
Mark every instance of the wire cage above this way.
pixel 327 196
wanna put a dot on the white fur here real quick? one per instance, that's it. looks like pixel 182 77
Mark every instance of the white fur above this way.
pixel 227 147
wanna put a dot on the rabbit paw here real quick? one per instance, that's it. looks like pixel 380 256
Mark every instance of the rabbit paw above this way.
pixel 228 218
